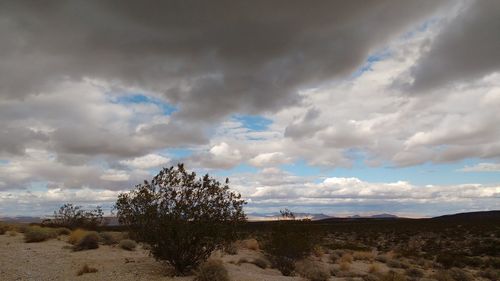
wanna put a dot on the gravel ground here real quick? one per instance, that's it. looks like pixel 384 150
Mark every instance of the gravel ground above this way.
pixel 54 260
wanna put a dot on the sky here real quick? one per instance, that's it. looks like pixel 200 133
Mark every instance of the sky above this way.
pixel 334 107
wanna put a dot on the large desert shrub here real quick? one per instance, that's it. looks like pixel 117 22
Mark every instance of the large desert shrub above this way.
pixel 39 234
pixel 72 217
pixel 182 217
pixel 290 240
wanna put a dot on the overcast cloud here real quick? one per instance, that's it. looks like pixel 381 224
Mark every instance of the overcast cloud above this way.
pixel 96 96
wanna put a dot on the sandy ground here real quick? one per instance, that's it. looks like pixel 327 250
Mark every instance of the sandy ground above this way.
pixel 54 260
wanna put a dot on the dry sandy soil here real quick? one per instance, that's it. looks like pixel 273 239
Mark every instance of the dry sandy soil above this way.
pixel 54 260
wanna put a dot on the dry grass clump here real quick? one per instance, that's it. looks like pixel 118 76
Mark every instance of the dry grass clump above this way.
pixel 76 235
pixel 345 266
pixel 212 270
pixel 12 233
pixel 454 274
pixel 128 244
pixel 251 244
pixel 63 231
pixel 260 263
pixel 110 237
pixel 397 264
pixel 414 272
pixel 335 255
pixel 231 249
pixel 363 255
pixel 374 268
pixel 393 276
pixel 3 228
pixel 88 240
pixel 39 234
pixel 346 258
pixel 242 260
pixel 318 251
pixel 312 271
pixel 86 269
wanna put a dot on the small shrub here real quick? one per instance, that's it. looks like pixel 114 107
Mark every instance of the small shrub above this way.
pixel 318 251
pixel 86 269
pixel 212 270
pixel 110 237
pixel 335 256
pixel 260 263
pixel 345 266
pixel 382 258
pixel 365 256
pixel 414 272
pixel 89 241
pixel 460 275
pixel 289 241
pixel 370 277
pixel 490 274
pixel 128 244
pixel 242 260
pixel 312 271
pixel 251 244
pixel 397 264
pixel 12 233
pixel 393 276
pixel 347 258
pixel 374 268
pixel 63 231
pixel 3 228
pixel 231 249
pixel 76 235
pixel 39 234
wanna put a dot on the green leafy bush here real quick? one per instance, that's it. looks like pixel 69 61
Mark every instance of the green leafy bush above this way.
pixel 183 218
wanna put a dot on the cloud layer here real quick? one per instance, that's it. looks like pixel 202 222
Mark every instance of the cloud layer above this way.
pixel 97 96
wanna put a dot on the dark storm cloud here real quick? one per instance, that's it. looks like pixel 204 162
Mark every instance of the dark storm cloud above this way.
pixel 210 58
pixel 468 47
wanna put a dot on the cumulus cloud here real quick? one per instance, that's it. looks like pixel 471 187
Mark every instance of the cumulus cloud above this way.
pixel 337 195
pixel 147 161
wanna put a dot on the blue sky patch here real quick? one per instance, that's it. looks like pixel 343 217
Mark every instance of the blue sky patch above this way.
pixel 254 122
pixel 166 108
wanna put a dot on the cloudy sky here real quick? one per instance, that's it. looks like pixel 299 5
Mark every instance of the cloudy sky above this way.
pixel 335 107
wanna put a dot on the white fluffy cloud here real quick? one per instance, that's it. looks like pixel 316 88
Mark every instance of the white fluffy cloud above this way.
pixel 147 161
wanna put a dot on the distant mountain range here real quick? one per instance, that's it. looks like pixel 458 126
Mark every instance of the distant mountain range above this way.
pixel 312 216
pixel 483 215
